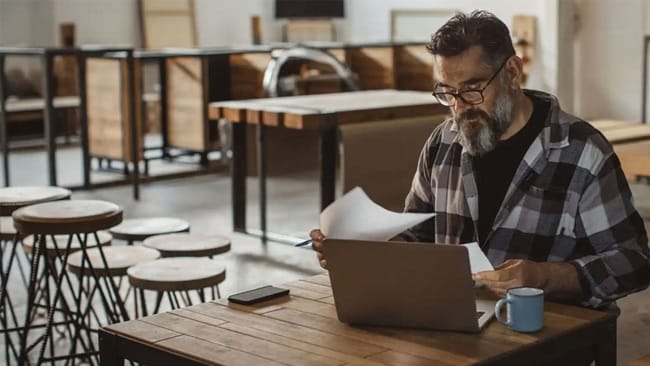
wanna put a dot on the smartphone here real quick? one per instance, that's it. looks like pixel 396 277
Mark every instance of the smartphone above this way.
pixel 258 295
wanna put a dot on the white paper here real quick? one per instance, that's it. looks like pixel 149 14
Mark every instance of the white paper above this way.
pixel 355 216
pixel 478 262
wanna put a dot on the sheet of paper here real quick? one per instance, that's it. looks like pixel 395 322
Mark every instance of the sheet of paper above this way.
pixel 355 216
pixel 478 262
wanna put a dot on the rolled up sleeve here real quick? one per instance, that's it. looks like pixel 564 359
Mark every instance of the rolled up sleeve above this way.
pixel 608 223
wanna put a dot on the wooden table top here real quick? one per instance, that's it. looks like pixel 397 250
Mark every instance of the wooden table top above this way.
pixel 311 111
pixel 617 131
pixel 303 329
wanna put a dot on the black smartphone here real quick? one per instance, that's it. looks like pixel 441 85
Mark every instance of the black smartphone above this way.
pixel 258 295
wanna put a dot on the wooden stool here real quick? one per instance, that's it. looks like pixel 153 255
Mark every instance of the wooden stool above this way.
pixel 139 229
pixel 188 245
pixel 118 260
pixel 178 274
pixel 11 199
pixel 72 218
pixel 7 229
pixel 55 244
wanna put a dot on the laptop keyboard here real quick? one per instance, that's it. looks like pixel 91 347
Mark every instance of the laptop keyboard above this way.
pixel 479 314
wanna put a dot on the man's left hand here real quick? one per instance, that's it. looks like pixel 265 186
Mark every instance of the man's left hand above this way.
pixel 512 273
pixel 559 280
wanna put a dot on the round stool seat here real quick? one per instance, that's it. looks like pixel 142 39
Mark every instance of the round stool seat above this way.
pixel 140 229
pixel 13 198
pixel 177 274
pixel 56 247
pixel 67 217
pixel 188 244
pixel 118 258
pixel 7 229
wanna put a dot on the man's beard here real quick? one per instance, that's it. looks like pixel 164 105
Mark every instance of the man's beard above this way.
pixel 479 131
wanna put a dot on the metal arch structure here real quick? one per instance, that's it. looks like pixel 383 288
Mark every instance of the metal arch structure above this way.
pixel 272 71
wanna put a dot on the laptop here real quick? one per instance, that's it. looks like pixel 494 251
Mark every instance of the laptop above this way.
pixel 404 284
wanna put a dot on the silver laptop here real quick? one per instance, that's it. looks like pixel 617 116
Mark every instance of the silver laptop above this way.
pixel 402 284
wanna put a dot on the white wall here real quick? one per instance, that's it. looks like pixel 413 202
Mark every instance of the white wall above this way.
pixel 113 22
pixel 609 51
pixel 26 23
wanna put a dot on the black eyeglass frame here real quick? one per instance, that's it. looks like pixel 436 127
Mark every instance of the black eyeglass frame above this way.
pixel 440 96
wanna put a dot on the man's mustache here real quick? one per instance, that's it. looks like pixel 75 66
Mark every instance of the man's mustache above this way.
pixel 473 114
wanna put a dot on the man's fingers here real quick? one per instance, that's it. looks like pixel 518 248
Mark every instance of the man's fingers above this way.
pixel 317 245
pixel 316 234
pixel 488 276
pixel 323 263
pixel 508 263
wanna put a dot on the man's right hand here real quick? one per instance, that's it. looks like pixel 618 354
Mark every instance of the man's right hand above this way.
pixel 317 238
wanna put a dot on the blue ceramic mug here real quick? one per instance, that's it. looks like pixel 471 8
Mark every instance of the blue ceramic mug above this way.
pixel 525 309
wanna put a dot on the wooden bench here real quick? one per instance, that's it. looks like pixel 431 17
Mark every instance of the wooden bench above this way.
pixel 631 142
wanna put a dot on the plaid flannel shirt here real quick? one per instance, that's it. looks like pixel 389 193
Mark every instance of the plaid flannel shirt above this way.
pixel 568 201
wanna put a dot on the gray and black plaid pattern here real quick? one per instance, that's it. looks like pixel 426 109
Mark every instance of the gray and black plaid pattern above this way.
pixel 568 201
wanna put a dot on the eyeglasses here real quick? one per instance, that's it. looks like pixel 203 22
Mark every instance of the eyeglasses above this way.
pixel 470 96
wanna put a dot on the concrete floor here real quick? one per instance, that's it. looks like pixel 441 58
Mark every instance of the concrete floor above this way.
pixel 204 201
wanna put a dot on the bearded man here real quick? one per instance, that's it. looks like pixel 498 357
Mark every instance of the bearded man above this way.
pixel 540 190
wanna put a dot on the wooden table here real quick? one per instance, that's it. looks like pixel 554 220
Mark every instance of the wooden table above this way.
pixel 303 330
pixel 321 113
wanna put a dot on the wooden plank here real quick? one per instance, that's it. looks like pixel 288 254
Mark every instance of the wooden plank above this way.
pixel 374 65
pixel 314 287
pixel 246 73
pixel 198 317
pixel 185 88
pixel 608 124
pixel 439 350
pixel 106 127
pixel 212 354
pixel 321 279
pixel 311 348
pixel 643 361
pixel 237 341
pixel 141 331
pixel 628 134
pixel 404 359
pixel 38 104
pixel 307 294
pixel 413 68
pixel 327 300
pixel 635 158
pixel 311 336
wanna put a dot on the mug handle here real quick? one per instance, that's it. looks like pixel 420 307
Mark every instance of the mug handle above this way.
pixel 497 311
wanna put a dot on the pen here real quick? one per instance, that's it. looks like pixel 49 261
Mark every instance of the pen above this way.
pixel 303 243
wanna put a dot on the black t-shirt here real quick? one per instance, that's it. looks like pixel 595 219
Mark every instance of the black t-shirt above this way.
pixel 494 170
